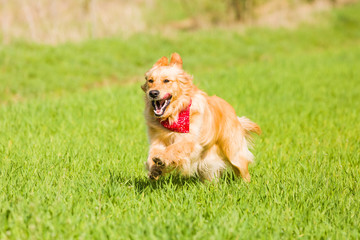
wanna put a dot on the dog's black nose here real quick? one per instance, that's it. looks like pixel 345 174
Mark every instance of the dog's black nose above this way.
pixel 154 93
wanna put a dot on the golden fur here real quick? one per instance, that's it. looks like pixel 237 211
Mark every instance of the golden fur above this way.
pixel 217 137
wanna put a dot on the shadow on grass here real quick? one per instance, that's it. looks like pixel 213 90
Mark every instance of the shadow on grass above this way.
pixel 169 182
pixel 143 184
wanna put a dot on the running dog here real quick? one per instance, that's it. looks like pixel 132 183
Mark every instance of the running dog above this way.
pixel 188 130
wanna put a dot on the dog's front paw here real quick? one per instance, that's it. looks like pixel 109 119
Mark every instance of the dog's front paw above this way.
pixel 158 162
pixel 156 169
pixel 155 172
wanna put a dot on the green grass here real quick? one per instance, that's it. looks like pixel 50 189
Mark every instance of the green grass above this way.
pixel 72 152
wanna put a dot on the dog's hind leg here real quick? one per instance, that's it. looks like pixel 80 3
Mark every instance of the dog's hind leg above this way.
pixel 211 165
pixel 240 165
pixel 236 151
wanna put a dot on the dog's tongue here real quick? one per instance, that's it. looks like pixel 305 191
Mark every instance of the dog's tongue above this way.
pixel 167 96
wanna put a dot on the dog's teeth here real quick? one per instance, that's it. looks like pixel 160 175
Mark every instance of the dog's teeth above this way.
pixel 164 105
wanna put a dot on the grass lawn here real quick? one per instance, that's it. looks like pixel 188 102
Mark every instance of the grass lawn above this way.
pixel 73 139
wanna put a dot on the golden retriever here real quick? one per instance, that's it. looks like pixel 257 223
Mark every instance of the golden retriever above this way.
pixel 190 131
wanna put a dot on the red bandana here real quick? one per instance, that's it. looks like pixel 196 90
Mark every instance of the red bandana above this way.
pixel 182 125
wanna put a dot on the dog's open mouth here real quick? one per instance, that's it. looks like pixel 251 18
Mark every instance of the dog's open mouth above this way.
pixel 161 105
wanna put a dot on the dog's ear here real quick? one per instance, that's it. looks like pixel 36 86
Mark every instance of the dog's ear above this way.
pixel 176 60
pixel 144 87
pixel 161 62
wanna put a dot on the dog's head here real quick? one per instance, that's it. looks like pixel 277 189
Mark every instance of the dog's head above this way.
pixel 166 84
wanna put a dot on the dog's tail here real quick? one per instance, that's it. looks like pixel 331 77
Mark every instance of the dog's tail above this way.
pixel 249 126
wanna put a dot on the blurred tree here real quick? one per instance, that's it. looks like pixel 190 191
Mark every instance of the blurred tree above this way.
pixel 242 9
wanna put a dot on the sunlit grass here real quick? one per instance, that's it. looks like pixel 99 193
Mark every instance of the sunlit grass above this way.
pixel 72 151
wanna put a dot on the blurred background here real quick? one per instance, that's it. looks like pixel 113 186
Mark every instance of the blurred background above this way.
pixel 56 21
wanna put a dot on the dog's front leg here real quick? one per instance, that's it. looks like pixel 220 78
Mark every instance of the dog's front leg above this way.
pixel 180 153
pixel 155 167
pixel 177 155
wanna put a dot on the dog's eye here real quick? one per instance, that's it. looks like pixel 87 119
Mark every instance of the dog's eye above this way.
pixel 166 80
pixel 151 81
